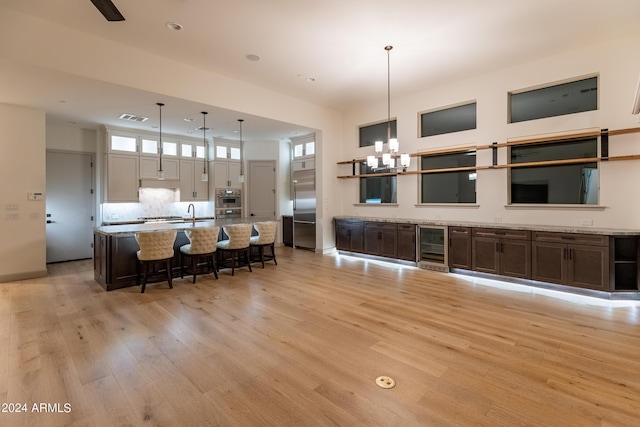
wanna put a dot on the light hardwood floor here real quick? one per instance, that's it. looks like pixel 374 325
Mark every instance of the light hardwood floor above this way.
pixel 301 344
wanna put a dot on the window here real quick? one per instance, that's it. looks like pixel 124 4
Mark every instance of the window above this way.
pixel 573 182
pixel 449 186
pixel 221 151
pixel 310 148
pixel 149 146
pixel 124 143
pixel 186 150
pixel 235 153
pixel 169 148
pixel 377 132
pixel 376 189
pixel 200 151
pixel 448 120
pixel 557 100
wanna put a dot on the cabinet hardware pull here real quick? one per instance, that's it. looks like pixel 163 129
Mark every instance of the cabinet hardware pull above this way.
pixel 570 253
pixel 497 247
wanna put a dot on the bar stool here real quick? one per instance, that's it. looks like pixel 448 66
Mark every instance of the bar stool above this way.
pixel 238 242
pixel 203 245
pixel 155 247
pixel 266 238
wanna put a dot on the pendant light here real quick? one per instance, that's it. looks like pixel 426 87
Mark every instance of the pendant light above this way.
pixel 160 171
pixel 205 175
pixel 241 177
pixel 389 159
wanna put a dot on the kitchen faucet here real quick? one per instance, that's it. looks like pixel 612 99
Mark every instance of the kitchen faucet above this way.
pixel 193 214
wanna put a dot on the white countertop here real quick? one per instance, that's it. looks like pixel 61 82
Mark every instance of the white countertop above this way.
pixel 182 225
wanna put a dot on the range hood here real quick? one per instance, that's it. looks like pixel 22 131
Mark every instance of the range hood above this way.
pixel 157 183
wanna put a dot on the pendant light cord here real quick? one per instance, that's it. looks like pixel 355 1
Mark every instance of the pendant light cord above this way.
pixel 241 160
pixel 204 140
pixel 160 105
pixel 388 49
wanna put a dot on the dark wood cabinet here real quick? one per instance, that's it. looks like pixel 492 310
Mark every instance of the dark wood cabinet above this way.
pixel 115 261
pixel 593 261
pixel 287 230
pixel 580 260
pixel 100 257
pixel 381 239
pixel 349 235
pixel 460 247
pixel 502 251
pixel 625 271
pixel 406 242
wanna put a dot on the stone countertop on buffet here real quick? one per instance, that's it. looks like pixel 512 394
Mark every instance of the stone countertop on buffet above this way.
pixel 531 227
pixel 176 225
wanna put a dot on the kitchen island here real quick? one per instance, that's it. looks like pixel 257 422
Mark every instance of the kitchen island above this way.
pixel 115 247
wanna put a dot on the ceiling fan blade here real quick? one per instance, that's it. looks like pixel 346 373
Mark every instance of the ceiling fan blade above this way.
pixel 108 9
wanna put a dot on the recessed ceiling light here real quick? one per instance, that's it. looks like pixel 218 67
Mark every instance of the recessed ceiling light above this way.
pixel 252 57
pixel 174 26
pixel 311 79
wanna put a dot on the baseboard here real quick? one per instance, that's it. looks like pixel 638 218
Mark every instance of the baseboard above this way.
pixel 22 276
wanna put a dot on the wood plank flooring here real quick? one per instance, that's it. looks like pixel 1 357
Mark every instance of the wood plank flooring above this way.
pixel 301 344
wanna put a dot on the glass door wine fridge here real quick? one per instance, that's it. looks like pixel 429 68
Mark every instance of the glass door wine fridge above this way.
pixel 431 248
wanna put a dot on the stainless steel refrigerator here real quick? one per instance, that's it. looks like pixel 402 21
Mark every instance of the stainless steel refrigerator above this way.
pixel 304 209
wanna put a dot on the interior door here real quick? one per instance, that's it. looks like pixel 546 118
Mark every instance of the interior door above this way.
pixel 262 189
pixel 69 203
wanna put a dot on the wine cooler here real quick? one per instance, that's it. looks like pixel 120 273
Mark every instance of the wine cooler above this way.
pixel 431 248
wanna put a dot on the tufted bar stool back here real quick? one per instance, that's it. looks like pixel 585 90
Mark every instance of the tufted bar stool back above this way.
pixel 155 247
pixel 202 244
pixel 265 239
pixel 238 243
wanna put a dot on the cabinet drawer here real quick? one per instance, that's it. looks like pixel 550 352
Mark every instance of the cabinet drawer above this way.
pixel 578 239
pixel 381 225
pixel 503 233
pixel 348 222
pixel 407 227
pixel 459 231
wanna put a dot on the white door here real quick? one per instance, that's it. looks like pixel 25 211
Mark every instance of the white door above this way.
pixel 69 202
pixel 261 183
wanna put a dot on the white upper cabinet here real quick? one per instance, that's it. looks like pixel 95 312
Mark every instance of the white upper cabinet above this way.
pixel 192 150
pixel 304 149
pixel 226 150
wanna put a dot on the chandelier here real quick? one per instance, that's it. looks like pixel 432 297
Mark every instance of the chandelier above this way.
pixel 388 161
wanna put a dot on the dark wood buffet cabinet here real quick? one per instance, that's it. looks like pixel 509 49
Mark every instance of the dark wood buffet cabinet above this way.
pixel 600 262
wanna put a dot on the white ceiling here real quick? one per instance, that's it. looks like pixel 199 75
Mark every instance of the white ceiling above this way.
pixel 338 43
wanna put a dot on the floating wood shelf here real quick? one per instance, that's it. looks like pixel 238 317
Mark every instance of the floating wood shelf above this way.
pixel 452 150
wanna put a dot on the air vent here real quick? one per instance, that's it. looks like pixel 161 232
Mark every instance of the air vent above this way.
pixel 132 118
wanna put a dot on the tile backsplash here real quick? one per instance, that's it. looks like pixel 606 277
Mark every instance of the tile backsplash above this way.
pixel 154 202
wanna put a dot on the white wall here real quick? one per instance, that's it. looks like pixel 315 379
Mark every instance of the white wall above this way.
pixel 70 138
pixel 617 64
pixel 22 171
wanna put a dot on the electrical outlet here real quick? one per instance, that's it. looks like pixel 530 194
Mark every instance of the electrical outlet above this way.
pixel 586 222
